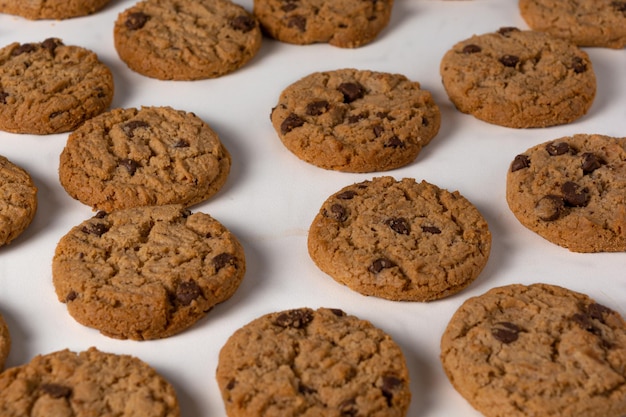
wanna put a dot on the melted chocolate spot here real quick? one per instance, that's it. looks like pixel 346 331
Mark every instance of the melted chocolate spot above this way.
pixel 556 149
pixel 297 21
pixel 51 44
pixel 56 390
pixel 574 195
pixel 394 142
pixel 399 225
pixel 585 322
pixel 509 61
pixel 243 23
pixel 188 291
pixel 100 214
pixel 337 212
pixel 97 229
pixel 505 31
pixel 431 229
pixel 590 162
pixel 578 65
pixel 346 195
pixel 379 264
pixel 520 162
pixel 222 260
pixel 598 311
pixel 23 49
pixel 130 165
pixel 316 108
pixel 296 319
pixel 338 312
pixel 130 127
pixel 136 20
pixel 505 332
pixel 619 6
pixel 471 49
pixel 390 384
pixel 354 118
pixel 549 208
pixel 290 123
pixel 378 130
pixel 351 91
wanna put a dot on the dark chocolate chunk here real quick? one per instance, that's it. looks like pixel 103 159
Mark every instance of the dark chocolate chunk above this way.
pixel 585 322
pixel 378 130
pixel 101 214
pixel 315 108
pixel 97 229
pixel 56 390
pixel 549 208
pixel 296 319
pixel 380 264
pixel 337 212
pixel 590 163
pixel 598 311
pixel 222 260
pixel 619 6
pixel 557 148
pixel 136 20
pixel 351 91
pixel 578 65
pixel 346 195
pixel 130 165
pixel 188 291
pixel 51 44
pixel 181 144
pixel 71 296
pixel 574 195
pixel 505 31
pixel 505 332
pixel 3 97
pixel 298 22
pixel 394 142
pixel 471 49
pixel 390 384
pixel 520 162
pixel 130 127
pixel 399 225
pixel 431 229
pixel 23 49
pixel 338 312
pixel 509 60
pixel 290 123
pixel 243 23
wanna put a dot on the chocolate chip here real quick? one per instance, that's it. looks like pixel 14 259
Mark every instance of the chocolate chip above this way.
pixel 520 162
pixel 394 142
pixel 505 31
pixel 346 195
pixel 378 130
pixel 337 212
pixel 509 60
pixel 348 408
pixel 399 225
pixel 556 149
pixel 505 332
pixel 222 260
pixel 101 214
pixel 471 49
pixel 316 108
pixel 231 384
pixel 431 229
pixel 351 91
pixel 338 312
pixel 574 195
pixel 598 311
pixel 97 229
pixel 23 49
pixel 56 390
pixel 3 97
pixel 51 44
pixel 296 319
pixel 590 162
pixel 130 127
pixel 290 123
pixel 71 296
pixel 181 143
pixel 289 6
pixel 243 23
pixel 188 291
pixel 585 322
pixel 578 65
pixel 136 20
pixel 619 6
pixel 380 264
pixel 130 165
pixel 549 208
pixel 297 21
pixel 390 384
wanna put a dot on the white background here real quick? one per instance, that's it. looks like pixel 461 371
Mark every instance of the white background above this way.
pixel 271 197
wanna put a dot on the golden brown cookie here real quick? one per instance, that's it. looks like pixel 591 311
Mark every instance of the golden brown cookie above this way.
pixel 186 39
pixel 572 192
pixel 140 157
pixel 86 384
pixel 400 240
pixel 306 362
pixel 5 342
pixel 49 87
pixel 537 350
pixel 146 272
pixel 18 200
pixel 519 79
pixel 356 120
pixel 341 23
pixel 51 9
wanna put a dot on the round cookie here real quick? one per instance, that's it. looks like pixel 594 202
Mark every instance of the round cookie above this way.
pixel 584 22
pixel 519 79
pixel 86 384
pixel 51 9
pixel 5 342
pixel 50 87
pixel 306 362
pixel 146 272
pixel 356 120
pixel 139 157
pixel 341 23
pixel 537 350
pixel 186 39
pixel 400 240
pixel 18 200
pixel 572 192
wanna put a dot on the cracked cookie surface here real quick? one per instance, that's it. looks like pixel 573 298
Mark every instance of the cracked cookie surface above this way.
pixel 48 87
pixel 139 157
pixel 537 350
pixel 83 384
pixel 306 362
pixel 18 200
pixel 186 39
pixel 356 120
pixel 146 272
pixel 400 240
pixel 519 79
pixel 572 192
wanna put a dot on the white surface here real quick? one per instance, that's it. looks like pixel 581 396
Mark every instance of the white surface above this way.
pixel 271 197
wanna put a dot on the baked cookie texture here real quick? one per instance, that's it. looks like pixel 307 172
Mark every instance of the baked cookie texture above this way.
pixel 356 120
pixel 400 239
pixel 139 157
pixel 600 23
pixel 5 342
pixel 572 192
pixel 84 384
pixel 186 39
pixel 306 362
pixel 537 350
pixel 519 78
pixel 341 23
pixel 147 272
pixel 51 9
pixel 48 87
pixel 18 200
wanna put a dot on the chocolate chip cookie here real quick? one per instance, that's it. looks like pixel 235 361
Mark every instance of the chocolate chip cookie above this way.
pixel 186 39
pixel 519 79
pixel 572 192
pixel 49 87
pixel 306 362
pixel 84 384
pixel 18 200
pixel 51 9
pixel 139 157
pixel 584 22
pixel 356 120
pixel 146 272
pixel 400 240
pixel 537 350
pixel 5 342
pixel 341 23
